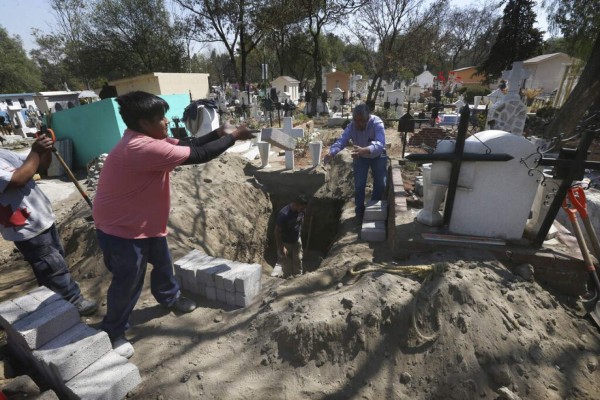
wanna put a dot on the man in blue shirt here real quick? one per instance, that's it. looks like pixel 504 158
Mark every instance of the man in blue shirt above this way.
pixel 288 228
pixel 368 151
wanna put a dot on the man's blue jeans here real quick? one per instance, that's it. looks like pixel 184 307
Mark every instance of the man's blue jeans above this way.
pixel 127 259
pixel 46 256
pixel 361 170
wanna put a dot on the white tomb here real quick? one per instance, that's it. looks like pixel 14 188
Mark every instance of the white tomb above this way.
pixel 493 199
pixel 414 92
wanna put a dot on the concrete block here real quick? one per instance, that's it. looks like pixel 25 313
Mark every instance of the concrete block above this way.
pixel 109 378
pixel 221 295
pixel 206 273
pixel 376 211
pixel 44 324
pixel 177 264
pixel 278 138
pixel 225 279
pixel 230 298
pixel 242 301
pixel 188 270
pixel 211 293
pixel 13 310
pixel 10 313
pixel 74 350
pixel 373 231
pixel 248 281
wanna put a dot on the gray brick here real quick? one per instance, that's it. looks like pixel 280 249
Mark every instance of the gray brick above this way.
pixel 206 272
pixel 248 282
pixel 44 295
pixel 376 211
pixel 230 298
pixel 188 270
pixel 224 280
pixel 221 296
pixel 44 324
pixel 211 293
pixel 373 231
pixel 109 378
pixel 278 138
pixel 241 300
pixel 74 350
pixel 10 312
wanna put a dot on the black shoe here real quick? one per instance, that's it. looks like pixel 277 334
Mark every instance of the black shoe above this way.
pixel 86 307
pixel 183 304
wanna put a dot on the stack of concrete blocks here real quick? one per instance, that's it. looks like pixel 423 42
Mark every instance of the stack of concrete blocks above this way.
pixel 218 279
pixel 45 332
pixel 374 221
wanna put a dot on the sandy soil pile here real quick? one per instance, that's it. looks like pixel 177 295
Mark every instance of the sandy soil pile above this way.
pixel 472 330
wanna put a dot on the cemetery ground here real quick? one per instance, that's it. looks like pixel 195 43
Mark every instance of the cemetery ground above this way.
pixel 477 328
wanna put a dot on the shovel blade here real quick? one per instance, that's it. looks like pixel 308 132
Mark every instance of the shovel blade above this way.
pixel 593 308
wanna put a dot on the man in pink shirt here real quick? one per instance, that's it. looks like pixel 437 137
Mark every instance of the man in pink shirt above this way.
pixel 131 207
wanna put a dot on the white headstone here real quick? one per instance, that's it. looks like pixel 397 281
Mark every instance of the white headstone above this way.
pixel 493 198
pixel 509 112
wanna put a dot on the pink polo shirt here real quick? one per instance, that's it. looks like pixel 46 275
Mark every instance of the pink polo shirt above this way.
pixel 133 195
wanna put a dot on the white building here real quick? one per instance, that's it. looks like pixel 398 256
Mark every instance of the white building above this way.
pixel 20 110
pixel 289 86
pixel 425 78
pixel 547 71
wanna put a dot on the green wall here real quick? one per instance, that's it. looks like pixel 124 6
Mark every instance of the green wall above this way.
pixel 97 127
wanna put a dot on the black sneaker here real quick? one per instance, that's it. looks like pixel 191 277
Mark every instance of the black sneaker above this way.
pixel 183 304
pixel 86 307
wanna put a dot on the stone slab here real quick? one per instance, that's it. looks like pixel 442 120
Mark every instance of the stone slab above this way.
pixel 278 138
pixel 74 350
pixel 221 295
pixel 230 298
pixel 211 293
pixel 248 283
pixel 109 378
pixel 373 231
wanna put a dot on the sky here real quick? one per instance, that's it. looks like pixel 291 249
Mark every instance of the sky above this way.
pixel 20 16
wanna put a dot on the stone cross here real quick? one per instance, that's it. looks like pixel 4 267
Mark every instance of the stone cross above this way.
pixel 288 128
pixel 515 77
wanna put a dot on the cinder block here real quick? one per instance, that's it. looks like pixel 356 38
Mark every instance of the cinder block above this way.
pixel 13 310
pixel 230 298
pixel 248 281
pixel 373 231
pixel 74 350
pixel 225 279
pixel 278 138
pixel 376 211
pixel 44 324
pixel 221 296
pixel 211 293
pixel 188 270
pixel 241 300
pixel 206 273
pixel 110 377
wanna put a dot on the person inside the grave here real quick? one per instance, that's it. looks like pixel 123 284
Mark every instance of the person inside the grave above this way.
pixel 368 137
pixel 27 219
pixel 288 228
pixel 132 203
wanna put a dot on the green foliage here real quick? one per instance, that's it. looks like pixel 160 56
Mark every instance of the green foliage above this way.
pixel 577 20
pixel 17 72
pixel 517 39
pixel 472 91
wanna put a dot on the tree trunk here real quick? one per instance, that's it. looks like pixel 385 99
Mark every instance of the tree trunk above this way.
pixel 585 93
pixel 316 91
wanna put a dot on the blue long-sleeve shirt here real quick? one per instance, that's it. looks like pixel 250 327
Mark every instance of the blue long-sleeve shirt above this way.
pixel 372 136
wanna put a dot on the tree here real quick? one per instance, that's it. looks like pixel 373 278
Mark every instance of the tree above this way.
pixel 234 23
pixel 131 37
pixel 517 39
pixel 385 29
pixel 579 21
pixel 18 73
pixel 317 15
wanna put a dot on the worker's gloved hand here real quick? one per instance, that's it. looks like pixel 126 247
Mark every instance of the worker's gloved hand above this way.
pixel 242 133
pixel 327 159
pixel 42 144
pixel 283 253
pixel 226 129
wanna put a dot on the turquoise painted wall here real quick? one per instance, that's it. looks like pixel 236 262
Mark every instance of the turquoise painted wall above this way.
pixel 97 127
